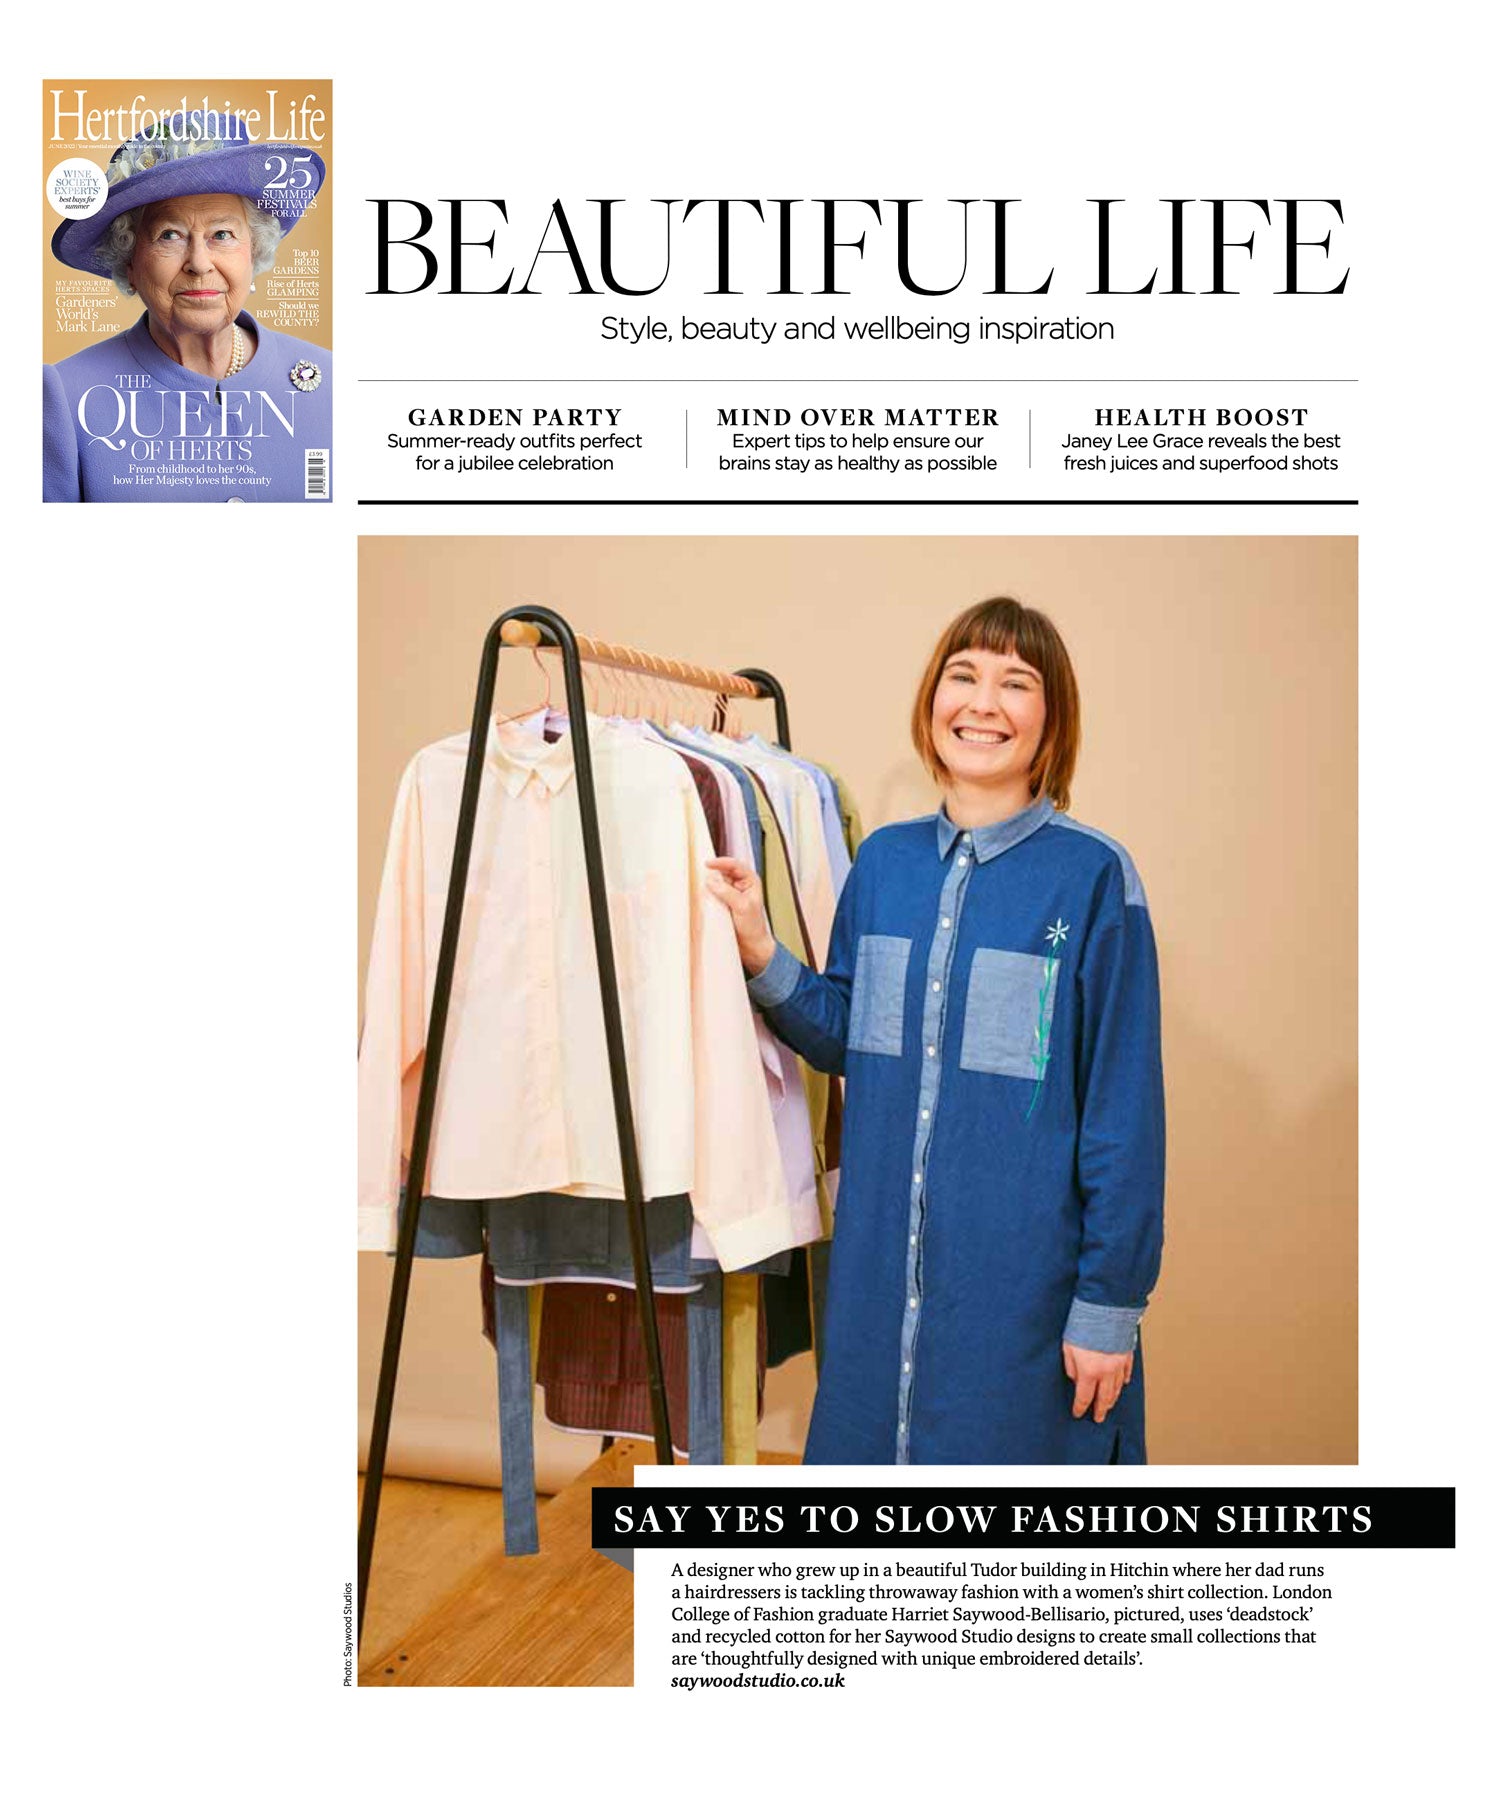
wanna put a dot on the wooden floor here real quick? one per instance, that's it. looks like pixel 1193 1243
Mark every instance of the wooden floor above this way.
pixel 448 1608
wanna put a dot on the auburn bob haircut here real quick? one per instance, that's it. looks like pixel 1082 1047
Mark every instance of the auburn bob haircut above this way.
pixel 1006 626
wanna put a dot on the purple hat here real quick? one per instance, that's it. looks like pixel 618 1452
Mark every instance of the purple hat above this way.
pixel 193 152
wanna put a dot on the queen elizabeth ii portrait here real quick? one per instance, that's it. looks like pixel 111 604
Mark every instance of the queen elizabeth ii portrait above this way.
pixel 196 401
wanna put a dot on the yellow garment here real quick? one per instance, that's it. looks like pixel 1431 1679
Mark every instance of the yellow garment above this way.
pixel 782 913
pixel 741 1325
pixel 742 1293
pixel 854 831
pixel 848 809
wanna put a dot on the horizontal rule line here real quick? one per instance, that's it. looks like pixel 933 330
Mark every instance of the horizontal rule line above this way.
pixel 522 503
pixel 855 380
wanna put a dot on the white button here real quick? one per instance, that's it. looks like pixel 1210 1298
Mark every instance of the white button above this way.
pixel 917 1178
pixel 912 1302
pixel 936 987
pixel 932 1051
pixel 967 839
pixel 902 1426
pixel 906 1369
pixel 914 1238
pixel 947 923
pixel 962 860
pixel 926 1114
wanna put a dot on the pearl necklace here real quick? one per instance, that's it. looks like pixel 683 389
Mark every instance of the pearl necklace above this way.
pixel 236 351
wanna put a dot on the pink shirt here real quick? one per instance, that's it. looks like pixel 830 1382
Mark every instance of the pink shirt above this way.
pixel 784 1082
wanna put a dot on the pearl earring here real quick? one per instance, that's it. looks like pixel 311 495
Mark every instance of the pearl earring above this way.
pixel 252 286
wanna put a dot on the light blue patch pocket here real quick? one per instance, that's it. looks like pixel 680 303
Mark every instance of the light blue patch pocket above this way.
pixel 877 1008
pixel 1008 1015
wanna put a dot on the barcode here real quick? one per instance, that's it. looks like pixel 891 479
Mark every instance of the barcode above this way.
pixel 315 473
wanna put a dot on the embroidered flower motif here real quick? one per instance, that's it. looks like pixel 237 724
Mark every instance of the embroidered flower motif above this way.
pixel 306 376
pixel 1041 1034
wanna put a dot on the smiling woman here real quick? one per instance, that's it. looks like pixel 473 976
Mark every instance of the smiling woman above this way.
pixel 991 999
pixel 996 716
pixel 194 211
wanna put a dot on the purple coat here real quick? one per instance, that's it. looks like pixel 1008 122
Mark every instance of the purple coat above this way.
pixel 122 423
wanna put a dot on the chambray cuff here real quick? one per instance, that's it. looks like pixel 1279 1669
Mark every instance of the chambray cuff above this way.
pixel 1102 1328
pixel 772 986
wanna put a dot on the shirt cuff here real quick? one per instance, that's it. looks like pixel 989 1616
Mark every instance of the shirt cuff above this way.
pixel 377 1229
pixel 782 1227
pixel 1110 1329
pixel 774 985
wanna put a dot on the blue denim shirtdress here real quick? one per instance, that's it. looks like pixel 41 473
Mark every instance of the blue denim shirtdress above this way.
pixel 991 999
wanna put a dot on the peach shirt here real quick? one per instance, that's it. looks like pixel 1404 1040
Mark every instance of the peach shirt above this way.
pixel 524 1099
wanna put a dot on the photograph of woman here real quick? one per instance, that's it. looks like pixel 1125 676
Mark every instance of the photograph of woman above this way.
pixel 949 964
pixel 196 401
pixel 991 999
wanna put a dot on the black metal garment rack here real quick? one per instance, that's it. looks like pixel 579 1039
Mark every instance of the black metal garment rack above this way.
pixel 553 631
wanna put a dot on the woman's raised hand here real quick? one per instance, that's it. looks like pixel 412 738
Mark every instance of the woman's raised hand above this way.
pixel 736 886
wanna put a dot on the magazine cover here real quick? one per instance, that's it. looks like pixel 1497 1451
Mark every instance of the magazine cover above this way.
pixel 186 302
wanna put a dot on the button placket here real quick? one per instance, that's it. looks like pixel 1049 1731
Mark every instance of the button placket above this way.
pixel 933 1014
pixel 544 1027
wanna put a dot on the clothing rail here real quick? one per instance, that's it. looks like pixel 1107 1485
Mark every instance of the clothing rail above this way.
pixel 530 625
pixel 749 681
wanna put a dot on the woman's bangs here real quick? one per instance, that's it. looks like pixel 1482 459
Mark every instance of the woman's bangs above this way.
pixel 1005 627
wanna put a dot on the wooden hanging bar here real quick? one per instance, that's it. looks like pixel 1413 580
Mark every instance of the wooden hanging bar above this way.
pixel 516 633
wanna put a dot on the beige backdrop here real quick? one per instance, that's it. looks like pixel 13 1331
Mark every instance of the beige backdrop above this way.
pixel 1218 678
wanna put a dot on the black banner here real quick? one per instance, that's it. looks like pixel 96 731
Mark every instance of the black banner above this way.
pixel 1051 1518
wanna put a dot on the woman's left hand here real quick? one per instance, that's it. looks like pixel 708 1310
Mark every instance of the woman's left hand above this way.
pixel 1097 1378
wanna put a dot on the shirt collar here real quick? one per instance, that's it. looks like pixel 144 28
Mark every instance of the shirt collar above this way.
pixel 726 746
pixel 519 752
pixel 997 837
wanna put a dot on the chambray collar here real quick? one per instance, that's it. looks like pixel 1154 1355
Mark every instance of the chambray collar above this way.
pixel 998 837
pixel 519 752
